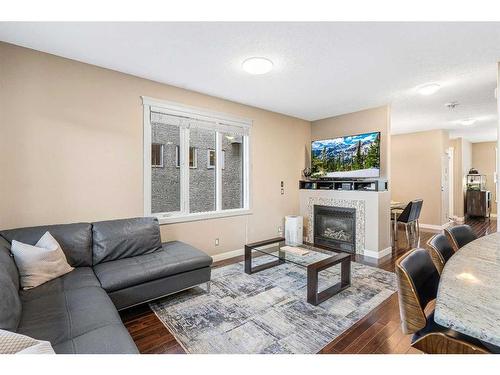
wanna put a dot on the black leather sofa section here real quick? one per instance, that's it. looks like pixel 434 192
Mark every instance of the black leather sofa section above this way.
pixel 171 259
pixel 75 240
pixel 10 306
pixel 119 264
pixel 118 239
pixel 151 290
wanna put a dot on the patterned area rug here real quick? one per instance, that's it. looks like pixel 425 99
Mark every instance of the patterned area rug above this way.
pixel 267 312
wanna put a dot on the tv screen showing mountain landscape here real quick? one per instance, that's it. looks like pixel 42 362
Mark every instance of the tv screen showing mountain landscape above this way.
pixel 355 156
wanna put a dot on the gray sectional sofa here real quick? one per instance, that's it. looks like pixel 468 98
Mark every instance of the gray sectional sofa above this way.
pixel 118 264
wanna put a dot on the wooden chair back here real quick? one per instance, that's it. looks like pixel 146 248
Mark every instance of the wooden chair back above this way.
pixel 418 280
pixel 460 235
pixel 440 251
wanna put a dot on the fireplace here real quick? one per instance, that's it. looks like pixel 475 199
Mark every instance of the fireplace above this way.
pixel 335 227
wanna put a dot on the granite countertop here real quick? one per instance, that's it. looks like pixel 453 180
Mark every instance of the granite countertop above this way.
pixel 468 299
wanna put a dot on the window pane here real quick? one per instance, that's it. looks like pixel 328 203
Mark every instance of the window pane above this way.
pixel 201 180
pixel 193 157
pixel 157 155
pixel 232 171
pixel 165 181
pixel 211 159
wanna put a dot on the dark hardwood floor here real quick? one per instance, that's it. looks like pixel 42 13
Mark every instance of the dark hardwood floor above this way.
pixel 378 332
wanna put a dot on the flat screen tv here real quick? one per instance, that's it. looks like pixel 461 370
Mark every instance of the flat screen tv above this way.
pixel 354 156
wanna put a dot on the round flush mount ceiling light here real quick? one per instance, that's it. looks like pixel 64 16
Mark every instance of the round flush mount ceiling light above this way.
pixel 428 88
pixel 257 65
pixel 467 121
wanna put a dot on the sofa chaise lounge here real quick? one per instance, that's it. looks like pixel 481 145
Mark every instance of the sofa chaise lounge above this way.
pixel 118 264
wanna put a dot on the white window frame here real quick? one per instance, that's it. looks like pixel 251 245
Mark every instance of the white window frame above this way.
pixel 223 159
pixel 210 166
pixel 195 158
pixel 177 153
pixel 175 109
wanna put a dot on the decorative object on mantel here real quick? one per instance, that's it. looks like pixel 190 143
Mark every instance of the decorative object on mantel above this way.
pixel 295 250
pixel 307 173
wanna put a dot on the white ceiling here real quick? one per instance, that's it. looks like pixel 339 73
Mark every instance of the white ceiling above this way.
pixel 320 69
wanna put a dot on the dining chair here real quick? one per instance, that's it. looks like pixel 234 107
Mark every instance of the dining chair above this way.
pixel 409 217
pixel 418 280
pixel 418 209
pixel 460 235
pixel 440 250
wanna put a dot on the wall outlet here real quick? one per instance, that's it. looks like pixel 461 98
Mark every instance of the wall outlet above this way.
pixel 282 191
pixel 216 242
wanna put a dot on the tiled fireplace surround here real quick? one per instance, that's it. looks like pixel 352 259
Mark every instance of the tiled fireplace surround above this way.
pixel 372 217
pixel 358 205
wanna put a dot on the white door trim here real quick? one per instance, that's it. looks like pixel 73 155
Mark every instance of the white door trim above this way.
pixel 451 183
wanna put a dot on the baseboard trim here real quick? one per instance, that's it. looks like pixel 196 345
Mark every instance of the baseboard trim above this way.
pixel 227 255
pixel 433 227
pixel 377 254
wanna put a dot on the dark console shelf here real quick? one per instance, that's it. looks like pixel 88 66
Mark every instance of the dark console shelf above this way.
pixel 363 185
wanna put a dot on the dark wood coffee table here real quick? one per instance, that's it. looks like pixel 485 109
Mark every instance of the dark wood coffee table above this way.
pixel 322 260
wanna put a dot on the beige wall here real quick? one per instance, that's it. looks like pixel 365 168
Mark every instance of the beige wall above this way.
pixel 466 156
pixel 483 159
pixel 71 146
pixel 369 120
pixel 416 164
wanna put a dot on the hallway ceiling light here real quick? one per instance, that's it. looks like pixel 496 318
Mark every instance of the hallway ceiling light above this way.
pixel 428 88
pixel 467 121
pixel 257 65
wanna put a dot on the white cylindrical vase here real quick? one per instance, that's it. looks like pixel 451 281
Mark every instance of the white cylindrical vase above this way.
pixel 293 230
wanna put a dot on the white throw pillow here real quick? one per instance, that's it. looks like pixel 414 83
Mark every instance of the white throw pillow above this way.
pixel 15 343
pixel 40 263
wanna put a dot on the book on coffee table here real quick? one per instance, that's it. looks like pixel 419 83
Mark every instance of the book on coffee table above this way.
pixel 295 250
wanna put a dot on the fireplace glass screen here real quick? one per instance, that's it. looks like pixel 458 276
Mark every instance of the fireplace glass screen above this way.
pixel 335 227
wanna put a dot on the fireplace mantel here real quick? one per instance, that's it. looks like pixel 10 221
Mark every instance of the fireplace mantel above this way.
pixel 372 217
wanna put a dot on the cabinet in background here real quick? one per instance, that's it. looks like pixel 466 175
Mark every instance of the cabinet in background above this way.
pixel 478 203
